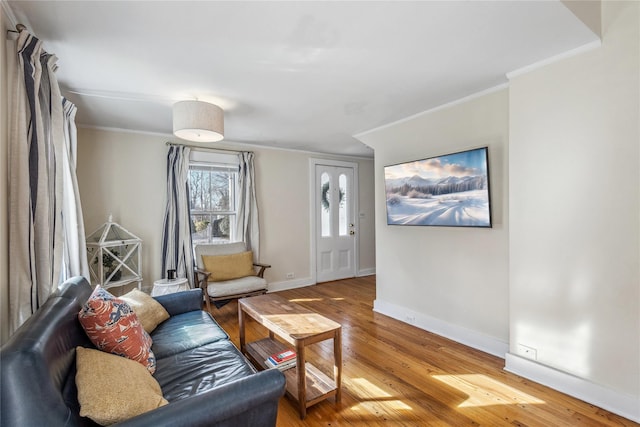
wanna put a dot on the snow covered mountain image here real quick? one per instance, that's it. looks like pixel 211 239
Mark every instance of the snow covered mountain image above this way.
pixel 451 190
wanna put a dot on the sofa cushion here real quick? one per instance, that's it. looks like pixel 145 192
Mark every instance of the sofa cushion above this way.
pixel 201 369
pixel 113 388
pixel 235 287
pixel 228 267
pixel 186 331
pixel 181 302
pixel 149 311
pixel 112 326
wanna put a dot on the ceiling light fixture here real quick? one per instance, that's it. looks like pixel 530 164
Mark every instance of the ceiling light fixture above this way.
pixel 198 121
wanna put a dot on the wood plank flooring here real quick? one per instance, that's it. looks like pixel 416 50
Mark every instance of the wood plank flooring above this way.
pixel 395 374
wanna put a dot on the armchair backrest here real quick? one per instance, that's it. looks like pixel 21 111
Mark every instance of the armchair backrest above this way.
pixel 217 249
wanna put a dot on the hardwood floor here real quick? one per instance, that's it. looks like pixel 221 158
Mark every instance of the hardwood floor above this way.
pixel 395 374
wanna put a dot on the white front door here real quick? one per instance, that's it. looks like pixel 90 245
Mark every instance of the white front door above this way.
pixel 335 226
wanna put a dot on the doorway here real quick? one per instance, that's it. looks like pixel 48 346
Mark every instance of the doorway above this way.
pixel 334 199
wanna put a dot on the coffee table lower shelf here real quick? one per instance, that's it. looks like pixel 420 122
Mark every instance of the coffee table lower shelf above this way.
pixel 319 386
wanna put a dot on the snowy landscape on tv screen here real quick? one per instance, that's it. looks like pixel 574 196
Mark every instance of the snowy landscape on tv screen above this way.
pixel 450 190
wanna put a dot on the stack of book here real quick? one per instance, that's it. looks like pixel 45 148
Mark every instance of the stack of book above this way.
pixel 282 361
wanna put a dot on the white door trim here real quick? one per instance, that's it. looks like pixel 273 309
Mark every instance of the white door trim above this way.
pixel 313 162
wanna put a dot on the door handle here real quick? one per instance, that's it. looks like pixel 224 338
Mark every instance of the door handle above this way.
pixel 352 232
pixel 350 225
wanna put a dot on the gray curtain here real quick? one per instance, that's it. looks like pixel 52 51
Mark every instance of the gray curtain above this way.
pixel 247 224
pixel 177 250
pixel 46 235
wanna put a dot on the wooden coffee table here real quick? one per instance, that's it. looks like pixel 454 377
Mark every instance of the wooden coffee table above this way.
pixel 296 325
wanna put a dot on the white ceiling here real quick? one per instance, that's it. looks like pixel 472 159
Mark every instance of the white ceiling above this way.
pixel 300 75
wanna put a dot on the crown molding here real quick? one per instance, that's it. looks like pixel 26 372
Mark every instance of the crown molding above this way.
pixel 444 106
pixel 564 55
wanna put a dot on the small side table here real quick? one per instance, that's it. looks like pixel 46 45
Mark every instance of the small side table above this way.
pixel 167 286
pixel 299 327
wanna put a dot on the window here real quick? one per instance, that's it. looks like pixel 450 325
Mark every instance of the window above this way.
pixel 342 207
pixel 325 217
pixel 327 186
pixel 212 197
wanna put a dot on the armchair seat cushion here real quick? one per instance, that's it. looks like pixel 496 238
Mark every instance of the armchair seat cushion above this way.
pixel 236 286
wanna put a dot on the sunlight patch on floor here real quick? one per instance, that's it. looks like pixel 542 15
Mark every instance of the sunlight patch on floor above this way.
pixel 373 398
pixel 486 391
pixel 306 299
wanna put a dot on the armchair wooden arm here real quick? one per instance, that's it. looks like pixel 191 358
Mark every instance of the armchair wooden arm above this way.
pixel 202 278
pixel 263 267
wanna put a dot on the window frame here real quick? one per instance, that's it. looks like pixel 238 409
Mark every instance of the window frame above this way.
pixel 224 163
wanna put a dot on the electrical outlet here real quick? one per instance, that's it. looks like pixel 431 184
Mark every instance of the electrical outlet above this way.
pixel 528 352
pixel 290 275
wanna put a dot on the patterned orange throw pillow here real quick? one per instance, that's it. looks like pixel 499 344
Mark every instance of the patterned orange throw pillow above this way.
pixel 112 326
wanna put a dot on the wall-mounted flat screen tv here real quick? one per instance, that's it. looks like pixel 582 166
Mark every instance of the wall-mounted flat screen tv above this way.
pixel 450 190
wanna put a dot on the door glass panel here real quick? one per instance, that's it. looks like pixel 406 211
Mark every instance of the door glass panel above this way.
pixel 342 205
pixel 325 205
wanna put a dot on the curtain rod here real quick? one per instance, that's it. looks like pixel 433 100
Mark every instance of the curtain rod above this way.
pixel 197 147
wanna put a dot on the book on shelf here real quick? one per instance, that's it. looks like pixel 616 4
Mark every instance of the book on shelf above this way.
pixel 283 356
pixel 281 366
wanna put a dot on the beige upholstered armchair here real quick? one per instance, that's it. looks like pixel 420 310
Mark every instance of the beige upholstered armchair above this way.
pixel 226 271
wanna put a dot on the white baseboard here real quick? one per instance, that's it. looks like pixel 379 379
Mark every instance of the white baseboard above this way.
pixel 456 333
pixel 308 281
pixel 622 404
pixel 366 272
pixel 290 284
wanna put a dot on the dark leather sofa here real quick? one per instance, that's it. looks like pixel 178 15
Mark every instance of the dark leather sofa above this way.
pixel 206 380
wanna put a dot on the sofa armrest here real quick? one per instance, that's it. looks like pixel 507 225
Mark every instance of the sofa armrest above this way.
pixel 181 302
pixel 251 401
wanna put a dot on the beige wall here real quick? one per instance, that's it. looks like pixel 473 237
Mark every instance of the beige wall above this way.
pixel 4 220
pixel 566 283
pixel 453 281
pixel 575 208
pixel 124 174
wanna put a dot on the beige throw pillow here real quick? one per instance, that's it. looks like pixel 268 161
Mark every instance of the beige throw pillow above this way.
pixel 228 267
pixel 112 388
pixel 149 311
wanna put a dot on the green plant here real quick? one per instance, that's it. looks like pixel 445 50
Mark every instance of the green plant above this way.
pixel 201 225
pixel 107 259
pixel 325 196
